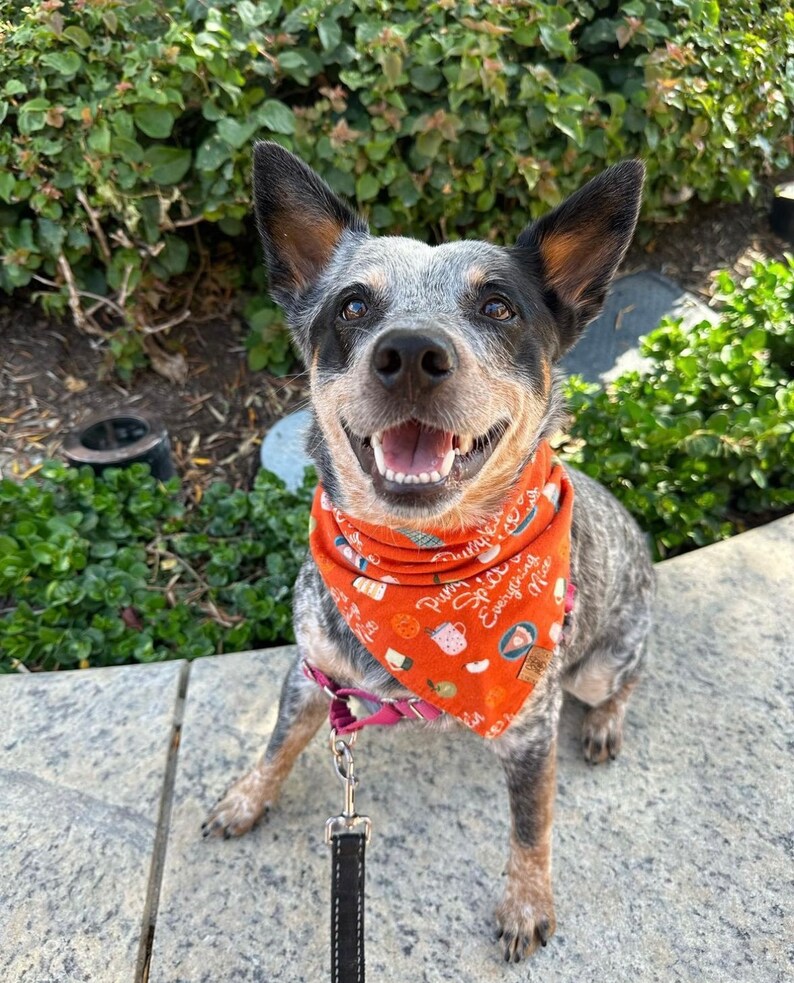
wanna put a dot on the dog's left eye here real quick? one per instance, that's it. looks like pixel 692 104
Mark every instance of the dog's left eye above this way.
pixel 497 309
pixel 353 309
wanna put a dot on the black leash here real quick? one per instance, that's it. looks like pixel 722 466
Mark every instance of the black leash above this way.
pixel 347 836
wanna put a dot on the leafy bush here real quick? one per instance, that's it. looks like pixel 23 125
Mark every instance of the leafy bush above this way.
pixel 125 123
pixel 101 571
pixel 703 443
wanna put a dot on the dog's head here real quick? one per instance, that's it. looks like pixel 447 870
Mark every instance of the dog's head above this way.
pixel 432 367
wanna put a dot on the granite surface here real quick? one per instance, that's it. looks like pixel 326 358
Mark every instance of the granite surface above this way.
pixel 673 863
pixel 82 761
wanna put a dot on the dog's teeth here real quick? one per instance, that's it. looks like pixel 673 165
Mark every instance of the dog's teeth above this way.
pixel 446 465
pixel 465 443
pixel 390 474
pixel 412 479
pixel 399 477
pixel 380 460
pixel 435 476
pixel 424 478
pixel 375 440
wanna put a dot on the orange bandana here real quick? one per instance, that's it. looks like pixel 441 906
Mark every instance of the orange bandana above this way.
pixel 468 623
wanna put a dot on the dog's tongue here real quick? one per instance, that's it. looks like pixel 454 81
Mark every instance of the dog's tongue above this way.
pixel 412 448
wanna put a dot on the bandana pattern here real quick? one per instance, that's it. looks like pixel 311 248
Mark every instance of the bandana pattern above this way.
pixel 468 621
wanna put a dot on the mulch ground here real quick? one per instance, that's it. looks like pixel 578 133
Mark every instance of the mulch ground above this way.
pixel 51 374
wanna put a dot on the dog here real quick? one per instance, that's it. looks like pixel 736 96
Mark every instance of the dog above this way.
pixel 452 349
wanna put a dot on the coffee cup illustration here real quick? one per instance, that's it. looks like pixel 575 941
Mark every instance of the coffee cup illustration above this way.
pixel 349 553
pixel 526 520
pixel 397 660
pixel 552 493
pixel 518 640
pixel 559 590
pixel 370 587
pixel 450 638
pixel 489 555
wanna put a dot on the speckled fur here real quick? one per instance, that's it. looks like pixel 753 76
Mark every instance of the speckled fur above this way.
pixel 557 275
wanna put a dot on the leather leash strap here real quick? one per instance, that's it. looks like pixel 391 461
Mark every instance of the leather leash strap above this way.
pixel 347 835
pixel 347 907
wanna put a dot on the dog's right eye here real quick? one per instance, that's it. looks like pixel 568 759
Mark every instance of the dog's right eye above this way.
pixel 354 309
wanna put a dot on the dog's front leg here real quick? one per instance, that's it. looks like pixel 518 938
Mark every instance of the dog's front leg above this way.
pixel 302 708
pixel 525 916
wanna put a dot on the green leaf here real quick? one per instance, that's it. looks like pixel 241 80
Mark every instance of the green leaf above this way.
pixel 211 154
pixel 7 185
pixel 66 63
pixel 175 255
pixel 77 35
pixel 155 121
pixel 330 33
pixel 234 133
pixel 168 165
pixel 425 78
pixel 367 187
pixel 38 105
pixel 276 117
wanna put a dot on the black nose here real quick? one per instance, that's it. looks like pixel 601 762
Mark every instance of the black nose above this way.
pixel 414 360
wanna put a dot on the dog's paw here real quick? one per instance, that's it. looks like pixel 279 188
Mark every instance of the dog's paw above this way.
pixel 522 927
pixel 238 810
pixel 602 733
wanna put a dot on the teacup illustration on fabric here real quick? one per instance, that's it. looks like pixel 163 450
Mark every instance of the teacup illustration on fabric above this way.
pixel 525 521
pixel 349 553
pixel 518 640
pixel 450 638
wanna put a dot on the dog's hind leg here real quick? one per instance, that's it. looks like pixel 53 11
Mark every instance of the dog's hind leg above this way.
pixel 302 709
pixel 605 681
pixel 602 727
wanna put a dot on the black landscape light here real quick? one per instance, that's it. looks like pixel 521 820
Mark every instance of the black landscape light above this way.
pixel 119 439
pixel 781 217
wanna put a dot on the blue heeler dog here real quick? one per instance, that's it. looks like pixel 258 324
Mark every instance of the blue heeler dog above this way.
pixel 461 338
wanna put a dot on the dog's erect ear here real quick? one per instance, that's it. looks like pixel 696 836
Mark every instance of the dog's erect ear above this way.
pixel 301 221
pixel 579 245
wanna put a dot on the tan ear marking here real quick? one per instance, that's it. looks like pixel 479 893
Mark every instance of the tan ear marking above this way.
pixel 308 242
pixel 569 257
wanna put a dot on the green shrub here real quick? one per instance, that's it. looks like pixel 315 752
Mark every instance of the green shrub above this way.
pixel 704 442
pixel 125 123
pixel 102 571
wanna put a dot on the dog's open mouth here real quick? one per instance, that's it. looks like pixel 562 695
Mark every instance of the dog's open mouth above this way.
pixel 413 458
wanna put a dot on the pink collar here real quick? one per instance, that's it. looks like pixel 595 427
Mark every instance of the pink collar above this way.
pixel 389 712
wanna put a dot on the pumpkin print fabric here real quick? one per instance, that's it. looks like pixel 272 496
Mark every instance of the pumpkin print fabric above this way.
pixel 468 621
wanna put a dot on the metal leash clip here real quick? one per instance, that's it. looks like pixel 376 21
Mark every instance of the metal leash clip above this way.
pixel 349 821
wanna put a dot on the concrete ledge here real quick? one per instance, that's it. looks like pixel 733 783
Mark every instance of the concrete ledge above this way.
pixel 670 864
pixel 84 756
pixel 673 863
